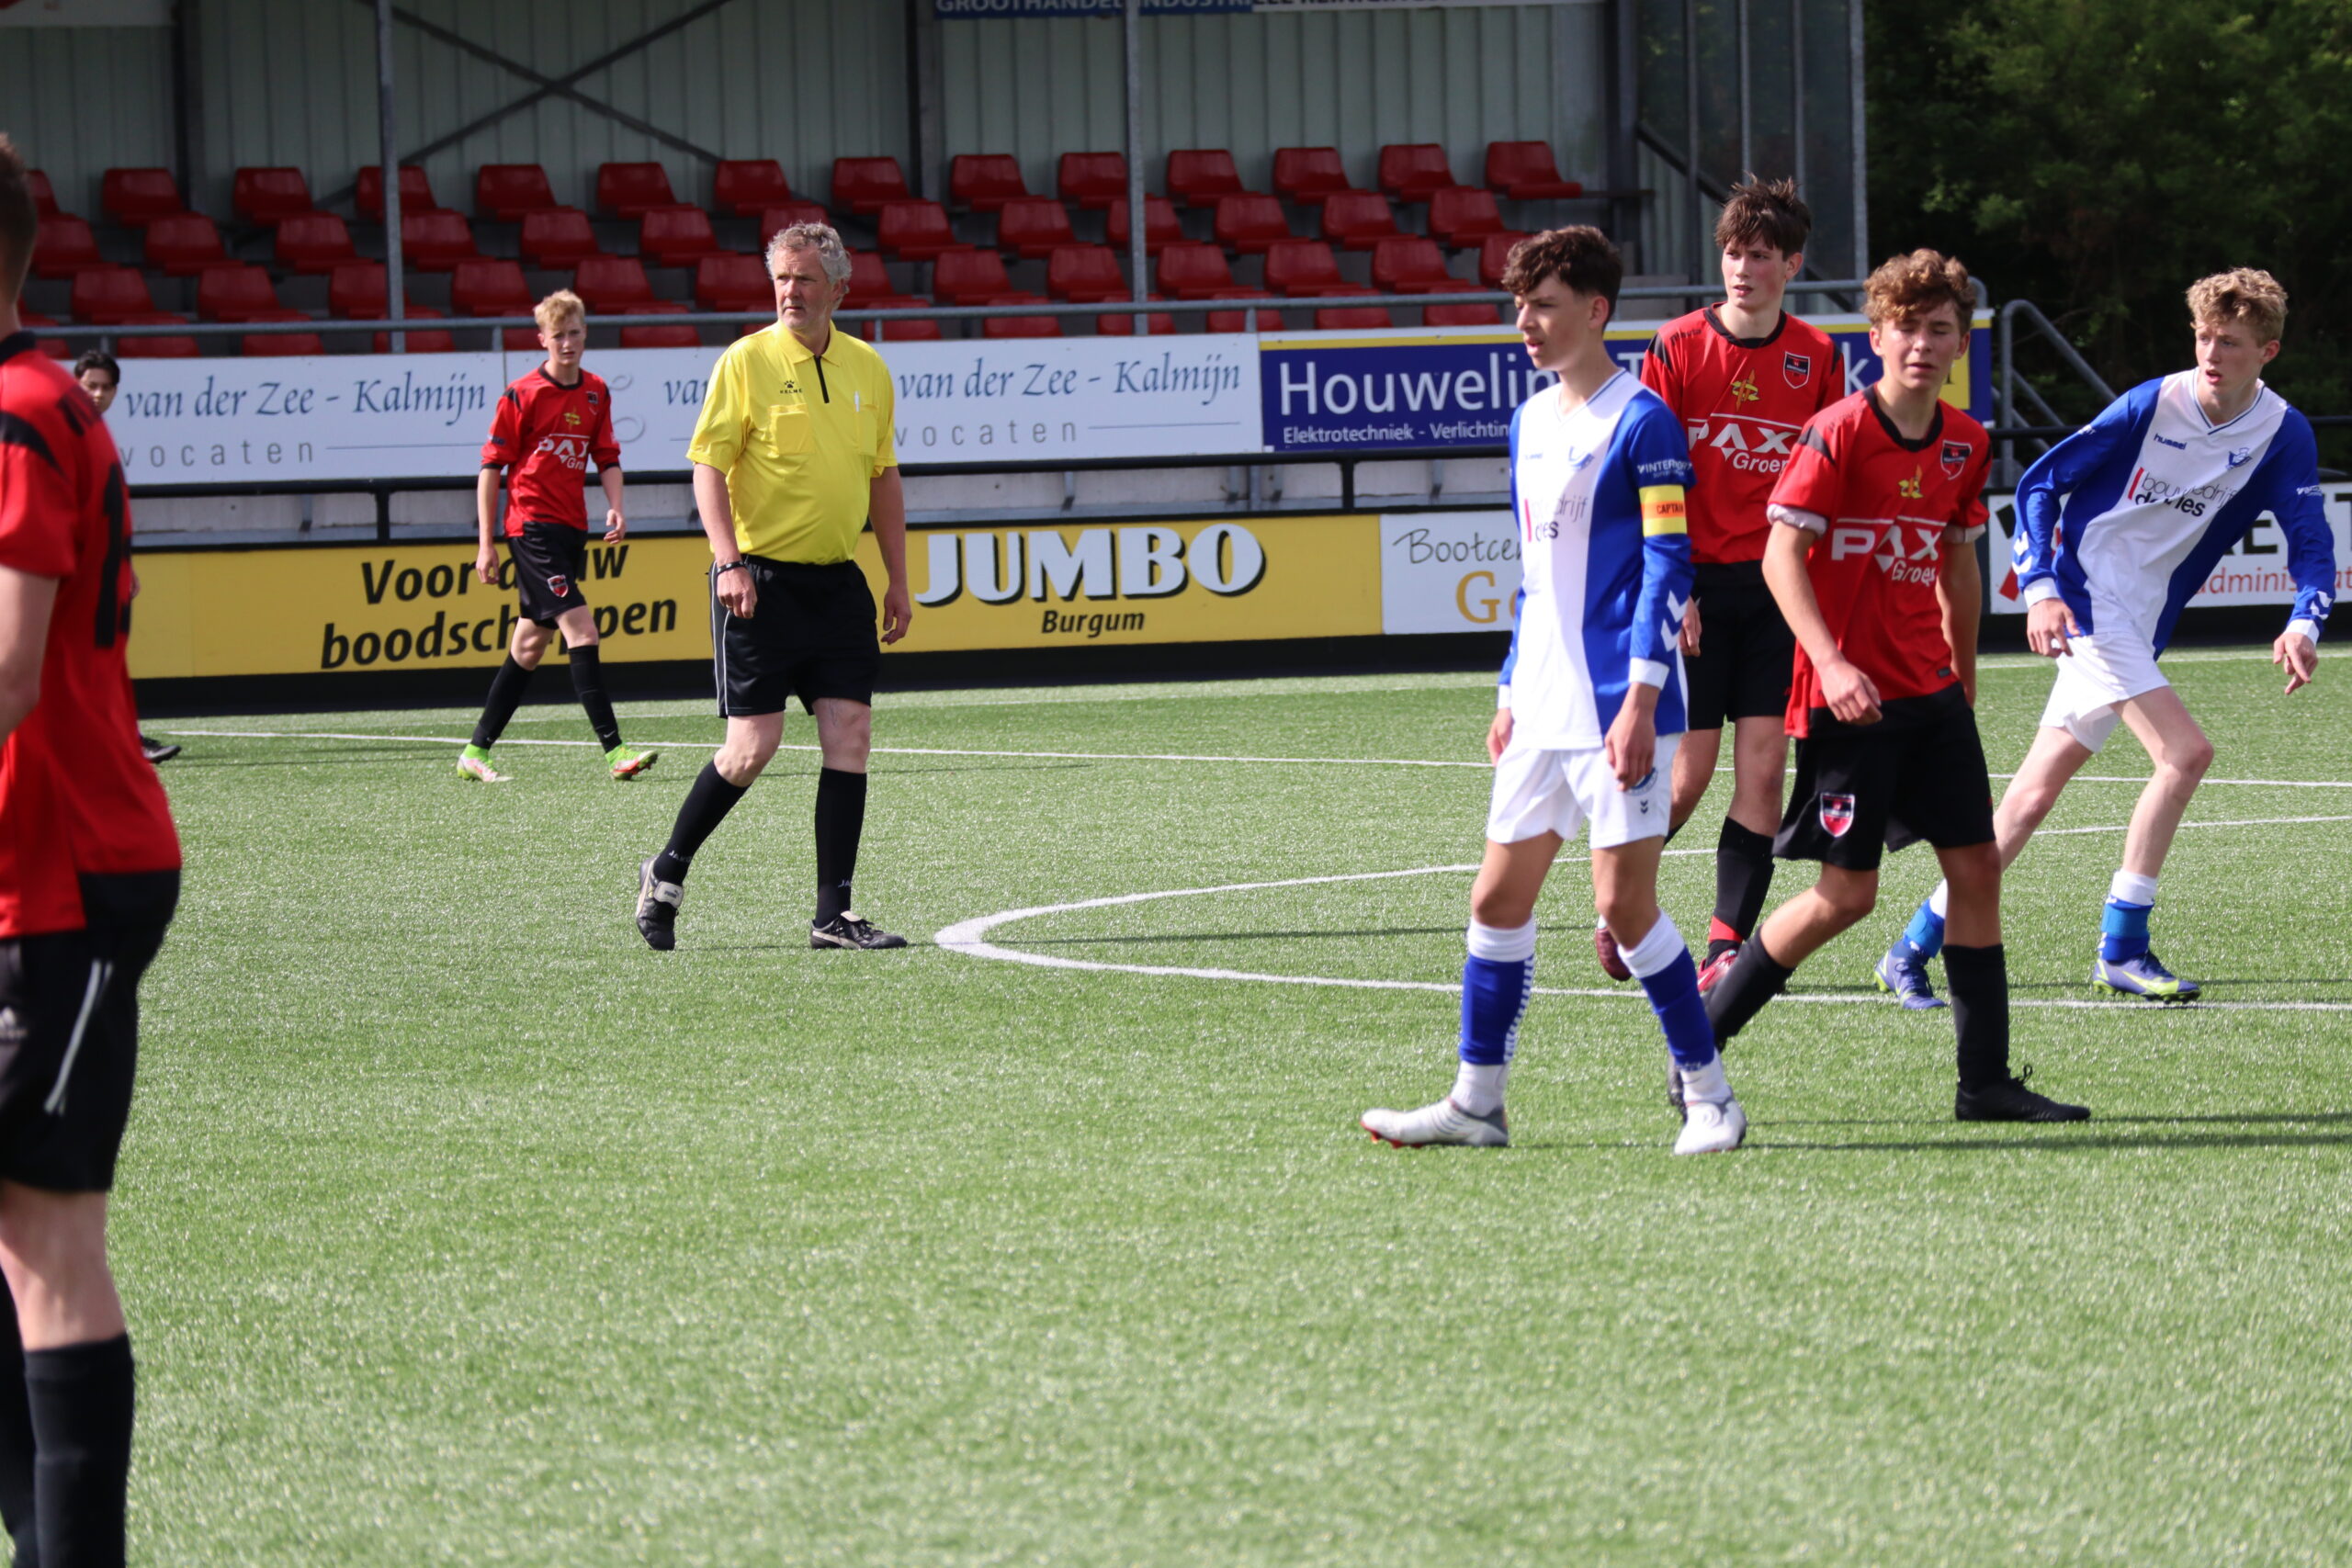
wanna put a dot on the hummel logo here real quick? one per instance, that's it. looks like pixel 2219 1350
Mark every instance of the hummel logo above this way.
pixel 12 1033
pixel 1912 488
pixel 2176 446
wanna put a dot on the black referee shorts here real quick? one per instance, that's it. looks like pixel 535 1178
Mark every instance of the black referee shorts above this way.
pixel 811 635
pixel 549 559
pixel 1917 775
pixel 69 1033
pixel 1746 650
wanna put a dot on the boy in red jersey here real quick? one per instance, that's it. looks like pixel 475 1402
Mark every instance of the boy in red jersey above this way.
pixel 1743 377
pixel 89 875
pixel 549 426
pixel 1871 561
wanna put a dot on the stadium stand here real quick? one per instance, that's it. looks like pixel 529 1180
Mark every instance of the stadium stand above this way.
pixel 1192 269
pixel 266 198
pixel 1203 176
pixel 1306 268
pixel 975 277
pixel 65 246
pixel 1247 223
pixel 1524 171
pixel 632 190
pixel 679 336
pixel 914 230
pixel 864 185
pixel 437 241
pixel 1159 323
pixel 1022 326
pixel 504 192
pixel 1410 171
pixel 182 244
pixel 774 220
pixel 1494 255
pixel 1462 216
pixel 870 287
pixel 1305 176
pixel 315 243
pixel 1351 318
pixel 1461 315
pixel 1034 227
pixel 136 197
pixel 1408 263
pixel 1092 180
pixel 44 196
pixel 279 345
pixel 746 187
pixel 54 347
pixel 557 239
pixel 731 282
pixel 488 286
pixel 1358 220
pixel 676 235
pixel 1085 275
pixel 1242 321
pixel 608 286
pixel 431 340
pixel 236 291
pixel 109 296
pixel 155 348
pixel 909 329
pixel 1161 227
pixel 984 182
pixel 416 192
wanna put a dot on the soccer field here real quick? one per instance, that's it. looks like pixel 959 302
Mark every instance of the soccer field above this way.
pixel 457 1226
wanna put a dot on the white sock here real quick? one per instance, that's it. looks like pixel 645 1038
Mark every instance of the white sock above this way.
pixel 1656 950
pixel 1503 944
pixel 1479 1087
pixel 1706 1083
pixel 2130 888
pixel 1940 901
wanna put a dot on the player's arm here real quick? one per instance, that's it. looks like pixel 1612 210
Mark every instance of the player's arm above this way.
pixel 607 450
pixel 1659 376
pixel 717 512
pixel 886 508
pixel 486 524
pixel 1660 459
pixel 2041 501
pixel 26 603
pixel 1498 731
pixel 1960 593
pixel 1852 695
pixel 2301 508
pixel 720 431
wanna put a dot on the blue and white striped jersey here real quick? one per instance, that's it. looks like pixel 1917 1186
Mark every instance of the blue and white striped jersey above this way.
pixel 2127 517
pixel 1605 569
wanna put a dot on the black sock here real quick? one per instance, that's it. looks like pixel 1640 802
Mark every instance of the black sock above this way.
pixel 1739 996
pixel 1978 979
pixel 840 821
pixel 588 680
pixel 15 1439
pixel 1743 879
pixel 705 806
pixel 505 695
pixel 82 1398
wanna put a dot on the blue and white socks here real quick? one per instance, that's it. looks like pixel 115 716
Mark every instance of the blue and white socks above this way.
pixel 1498 978
pixel 1662 962
pixel 1924 937
pixel 2124 924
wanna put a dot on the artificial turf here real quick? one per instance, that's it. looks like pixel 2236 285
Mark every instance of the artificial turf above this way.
pixel 456 1227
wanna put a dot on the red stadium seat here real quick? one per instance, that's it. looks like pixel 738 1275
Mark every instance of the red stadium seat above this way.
pixel 54 347
pixel 974 277
pixel 436 241
pixel 44 195
pixel 485 285
pixel 136 197
pixel 870 287
pixel 520 339
pixel 358 291
pixel 864 185
pixel 1022 326
pixel 1242 321
pixel 1032 227
pixel 680 337
pixel 1352 317
pixel 611 286
pixel 1192 270
pixel 1462 315
pixel 279 345
pixel 1160 226
pixel 235 292
pixel 909 329
pixel 1307 175
pixel 1494 255
pixel 431 340
pixel 632 190
pixel 1411 265
pixel 1304 269
pixel 1085 274
pixel 1357 219
pixel 1523 171
pixel 104 296
pixel 984 182
pixel 1093 180
pixel 914 230
pixel 266 198
pixel 504 192
pixel 733 283
pixel 774 220
pixel 155 348
pixel 181 244
pixel 65 246
pixel 416 191
pixel 1247 223
pixel 1462 216
pixel 557 238
pixel 1410 171
pixel 1160 324
pixel 745 187
pixel 1202 177
pixel 676 235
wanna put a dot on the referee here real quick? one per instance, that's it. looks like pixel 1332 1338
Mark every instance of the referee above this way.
pixel 792 458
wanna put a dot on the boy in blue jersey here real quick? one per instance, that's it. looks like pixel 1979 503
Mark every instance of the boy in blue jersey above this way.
pixel 2116 526
pixel 1590 704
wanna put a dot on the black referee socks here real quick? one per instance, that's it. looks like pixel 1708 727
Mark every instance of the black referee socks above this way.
pixel 82 1398
pixel 705 807
pixel 841 822
pixel 505 695
pixel 15 1437
pixel 1978 979
pixel 588 681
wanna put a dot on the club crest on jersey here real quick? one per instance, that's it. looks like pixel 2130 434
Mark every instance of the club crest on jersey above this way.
pixel 1913 488
pixel 559 585
pixel 2240 455
pixel 1955 458
pixel 1836 814
pixel 1745 391
pixel 1798 367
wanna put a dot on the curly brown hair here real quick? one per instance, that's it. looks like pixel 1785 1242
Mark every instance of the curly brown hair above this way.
pixel 18 221
pixel 1580 256
pixel 1762 209
pixel 2245 294
pixel 1915 285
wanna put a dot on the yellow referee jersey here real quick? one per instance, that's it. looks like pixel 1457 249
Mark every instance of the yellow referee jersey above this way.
pixel 801 437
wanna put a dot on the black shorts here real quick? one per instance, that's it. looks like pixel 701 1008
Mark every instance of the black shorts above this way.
pixel 1917 773
pixel 69 1033
pixel 811 635
pixel 549 559
pixel 1746 650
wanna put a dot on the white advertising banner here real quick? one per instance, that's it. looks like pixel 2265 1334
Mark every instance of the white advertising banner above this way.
pixel 346 417
pixel 1448 572
pixel 2254 572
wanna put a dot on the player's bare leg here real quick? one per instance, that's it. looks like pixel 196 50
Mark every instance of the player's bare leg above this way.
pixel 1694 771
pixel 2181 754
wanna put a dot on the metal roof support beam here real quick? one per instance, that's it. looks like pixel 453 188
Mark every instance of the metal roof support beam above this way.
pixel 388 138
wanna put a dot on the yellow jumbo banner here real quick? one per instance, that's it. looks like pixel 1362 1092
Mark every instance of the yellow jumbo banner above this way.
pixel 321 609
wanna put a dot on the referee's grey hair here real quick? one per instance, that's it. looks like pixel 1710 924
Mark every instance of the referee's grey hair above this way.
pixel 821 238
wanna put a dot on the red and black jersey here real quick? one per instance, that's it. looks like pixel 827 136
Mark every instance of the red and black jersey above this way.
pixel 543 435
pixel 76 794
pixel 1741 400
pixel 1887 506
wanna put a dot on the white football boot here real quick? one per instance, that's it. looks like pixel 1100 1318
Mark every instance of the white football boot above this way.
pixel 1444 1123
pixel 1711 1127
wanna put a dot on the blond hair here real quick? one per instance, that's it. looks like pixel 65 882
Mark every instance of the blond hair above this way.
pixel 2243 293
pixel 556 309
pixel 1915 285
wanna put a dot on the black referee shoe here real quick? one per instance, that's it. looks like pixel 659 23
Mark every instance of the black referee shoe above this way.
pixel 157 751
pixel 2010 1101
pixel 846 930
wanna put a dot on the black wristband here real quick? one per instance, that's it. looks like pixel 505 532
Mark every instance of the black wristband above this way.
pixel 723 567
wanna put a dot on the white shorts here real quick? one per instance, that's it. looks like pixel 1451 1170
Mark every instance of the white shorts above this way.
pixel 2095 674
pixel 1559 792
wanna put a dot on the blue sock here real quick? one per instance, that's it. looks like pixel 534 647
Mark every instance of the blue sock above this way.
pixel 1672 982
pixel 1497 978
pixel 1925 934
pixel 2123 931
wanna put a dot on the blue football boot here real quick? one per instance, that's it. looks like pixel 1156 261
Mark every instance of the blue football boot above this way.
pixel 1903 974
pixel 2143 977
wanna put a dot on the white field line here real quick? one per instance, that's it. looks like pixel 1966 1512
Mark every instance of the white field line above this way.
pixel 970 938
